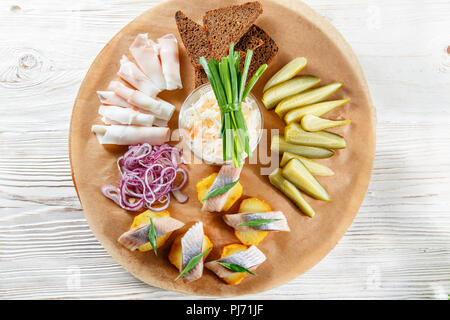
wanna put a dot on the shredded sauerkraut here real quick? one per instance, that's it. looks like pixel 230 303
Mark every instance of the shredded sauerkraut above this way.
pixel 201 124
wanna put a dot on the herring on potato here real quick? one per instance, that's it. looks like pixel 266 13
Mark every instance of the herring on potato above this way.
pixel 204 185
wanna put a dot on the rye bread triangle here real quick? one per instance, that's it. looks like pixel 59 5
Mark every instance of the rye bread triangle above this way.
pixel 229 24
pixel 194 38
pixel 200 77
pixel 262 54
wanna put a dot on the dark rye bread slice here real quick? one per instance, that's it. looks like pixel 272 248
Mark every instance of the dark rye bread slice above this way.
pixel 200 77
pixel 265 53
pixel 229 24
pixel 194 38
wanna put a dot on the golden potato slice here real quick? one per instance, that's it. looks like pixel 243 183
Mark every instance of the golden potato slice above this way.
pixel 175 253
pixel 228 251
pixel 144 218
pixel 252 205
pixel 204 185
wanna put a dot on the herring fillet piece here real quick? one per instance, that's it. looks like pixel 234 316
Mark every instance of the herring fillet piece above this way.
pixel 147 58
pixel 233 220
pixel 249 259
pixel 191 246
pixel 137 237
pixel 227 174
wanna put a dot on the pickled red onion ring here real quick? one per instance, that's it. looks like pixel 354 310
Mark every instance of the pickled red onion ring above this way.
pixel 147 178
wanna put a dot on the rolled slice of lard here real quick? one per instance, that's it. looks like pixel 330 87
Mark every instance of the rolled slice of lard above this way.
pixel 158 107
pixel 147 58
pixel 118 115
pixel 170 61
pixel 129 135
pixel 112 99
pixel 130 72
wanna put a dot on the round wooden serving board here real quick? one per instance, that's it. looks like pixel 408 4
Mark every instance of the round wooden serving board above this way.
pixel 298 31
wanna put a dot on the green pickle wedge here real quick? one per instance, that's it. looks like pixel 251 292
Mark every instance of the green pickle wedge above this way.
pixel 298 175
pixel 286 73
pixel 288 88
pixel 276 178
pixel 315 168
pixel 306 98
pixel 280 145
pixel 316 109
pixel 313 124
pixel 294 134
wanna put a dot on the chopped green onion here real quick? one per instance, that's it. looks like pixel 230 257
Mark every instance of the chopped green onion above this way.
pixel 229 86
pixel 235 267
pixel 192 263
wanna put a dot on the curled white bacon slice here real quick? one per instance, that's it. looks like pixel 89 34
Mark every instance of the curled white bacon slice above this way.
pixel 146 56
pixel 130 72
pixel 112 99
pixel 128 135
pixel 170 61
pixel 119 115
pixel 158 107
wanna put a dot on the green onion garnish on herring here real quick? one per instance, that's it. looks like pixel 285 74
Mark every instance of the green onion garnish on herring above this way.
pixel 229 86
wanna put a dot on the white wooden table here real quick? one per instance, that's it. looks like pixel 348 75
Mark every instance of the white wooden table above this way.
pixel 399 245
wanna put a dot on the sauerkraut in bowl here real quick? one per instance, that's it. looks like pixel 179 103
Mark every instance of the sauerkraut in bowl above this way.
pixel 200 122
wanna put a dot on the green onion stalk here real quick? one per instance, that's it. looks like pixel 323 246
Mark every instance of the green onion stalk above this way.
pixel 229 86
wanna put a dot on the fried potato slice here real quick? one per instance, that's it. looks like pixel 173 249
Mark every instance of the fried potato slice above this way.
pixel 252 205
pixel 204 185
pixel 175 253
pixel 228 251
pixel 144 218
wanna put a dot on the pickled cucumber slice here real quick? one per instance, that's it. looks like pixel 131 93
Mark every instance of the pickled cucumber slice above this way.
pixel 286 73
pixel 298 175
pixel 315 168
pixel 317 109
pixel 291 192
pixel 280 145
pixel 313 124
pixel 293 133
pixel 306 98
pixel 288 88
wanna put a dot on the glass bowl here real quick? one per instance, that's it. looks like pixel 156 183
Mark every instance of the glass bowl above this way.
pixel 194 97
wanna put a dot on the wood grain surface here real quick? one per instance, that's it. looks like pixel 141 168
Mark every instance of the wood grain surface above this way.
pixel 398 246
